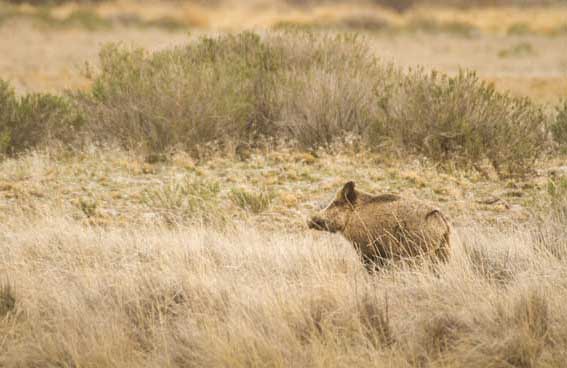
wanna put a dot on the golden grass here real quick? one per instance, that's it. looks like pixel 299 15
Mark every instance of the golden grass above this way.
pixel 117 188
pixel 196 296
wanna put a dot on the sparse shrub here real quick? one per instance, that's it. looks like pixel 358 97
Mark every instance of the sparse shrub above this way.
pixel 250 201
pixel 34 119
pixel 463 119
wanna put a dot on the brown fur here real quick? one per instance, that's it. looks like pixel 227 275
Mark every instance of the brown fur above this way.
pixel 386 227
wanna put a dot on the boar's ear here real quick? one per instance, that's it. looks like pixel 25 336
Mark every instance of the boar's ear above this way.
pixel 348 192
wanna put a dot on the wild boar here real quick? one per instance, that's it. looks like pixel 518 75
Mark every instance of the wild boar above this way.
pixel 385 227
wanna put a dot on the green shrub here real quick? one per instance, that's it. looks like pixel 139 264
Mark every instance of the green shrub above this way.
pixel 233 87
pixel 309 89
pixel 34 119
pixel 186 96
pixel 559 127
pixel 461 119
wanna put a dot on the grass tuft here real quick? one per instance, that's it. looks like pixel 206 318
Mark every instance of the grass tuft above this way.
pixel 185 200
pixel 255 202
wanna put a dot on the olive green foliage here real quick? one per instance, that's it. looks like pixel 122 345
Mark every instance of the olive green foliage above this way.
pixel 34 119
pixel 309 89
pixel 185 96
pixel 463 119
pixel 232 87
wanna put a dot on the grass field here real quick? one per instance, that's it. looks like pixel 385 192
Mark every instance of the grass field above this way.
pixel 123 244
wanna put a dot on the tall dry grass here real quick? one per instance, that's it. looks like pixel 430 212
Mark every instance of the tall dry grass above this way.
pixel 78 296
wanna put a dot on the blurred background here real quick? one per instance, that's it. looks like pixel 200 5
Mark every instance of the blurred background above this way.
pixel 519 45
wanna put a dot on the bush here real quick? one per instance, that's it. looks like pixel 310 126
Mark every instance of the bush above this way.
pixel 309 89
pixel 234 87
pixel 463 119
pixel 34 119
pixel 186 96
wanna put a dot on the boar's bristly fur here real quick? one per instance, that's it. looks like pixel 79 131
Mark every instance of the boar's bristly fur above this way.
pixel 386 227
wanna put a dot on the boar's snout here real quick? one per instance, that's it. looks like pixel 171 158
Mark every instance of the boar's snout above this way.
pixel 317 223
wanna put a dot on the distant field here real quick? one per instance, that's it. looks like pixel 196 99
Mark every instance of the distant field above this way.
pixel 539 72
pixel 519 50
